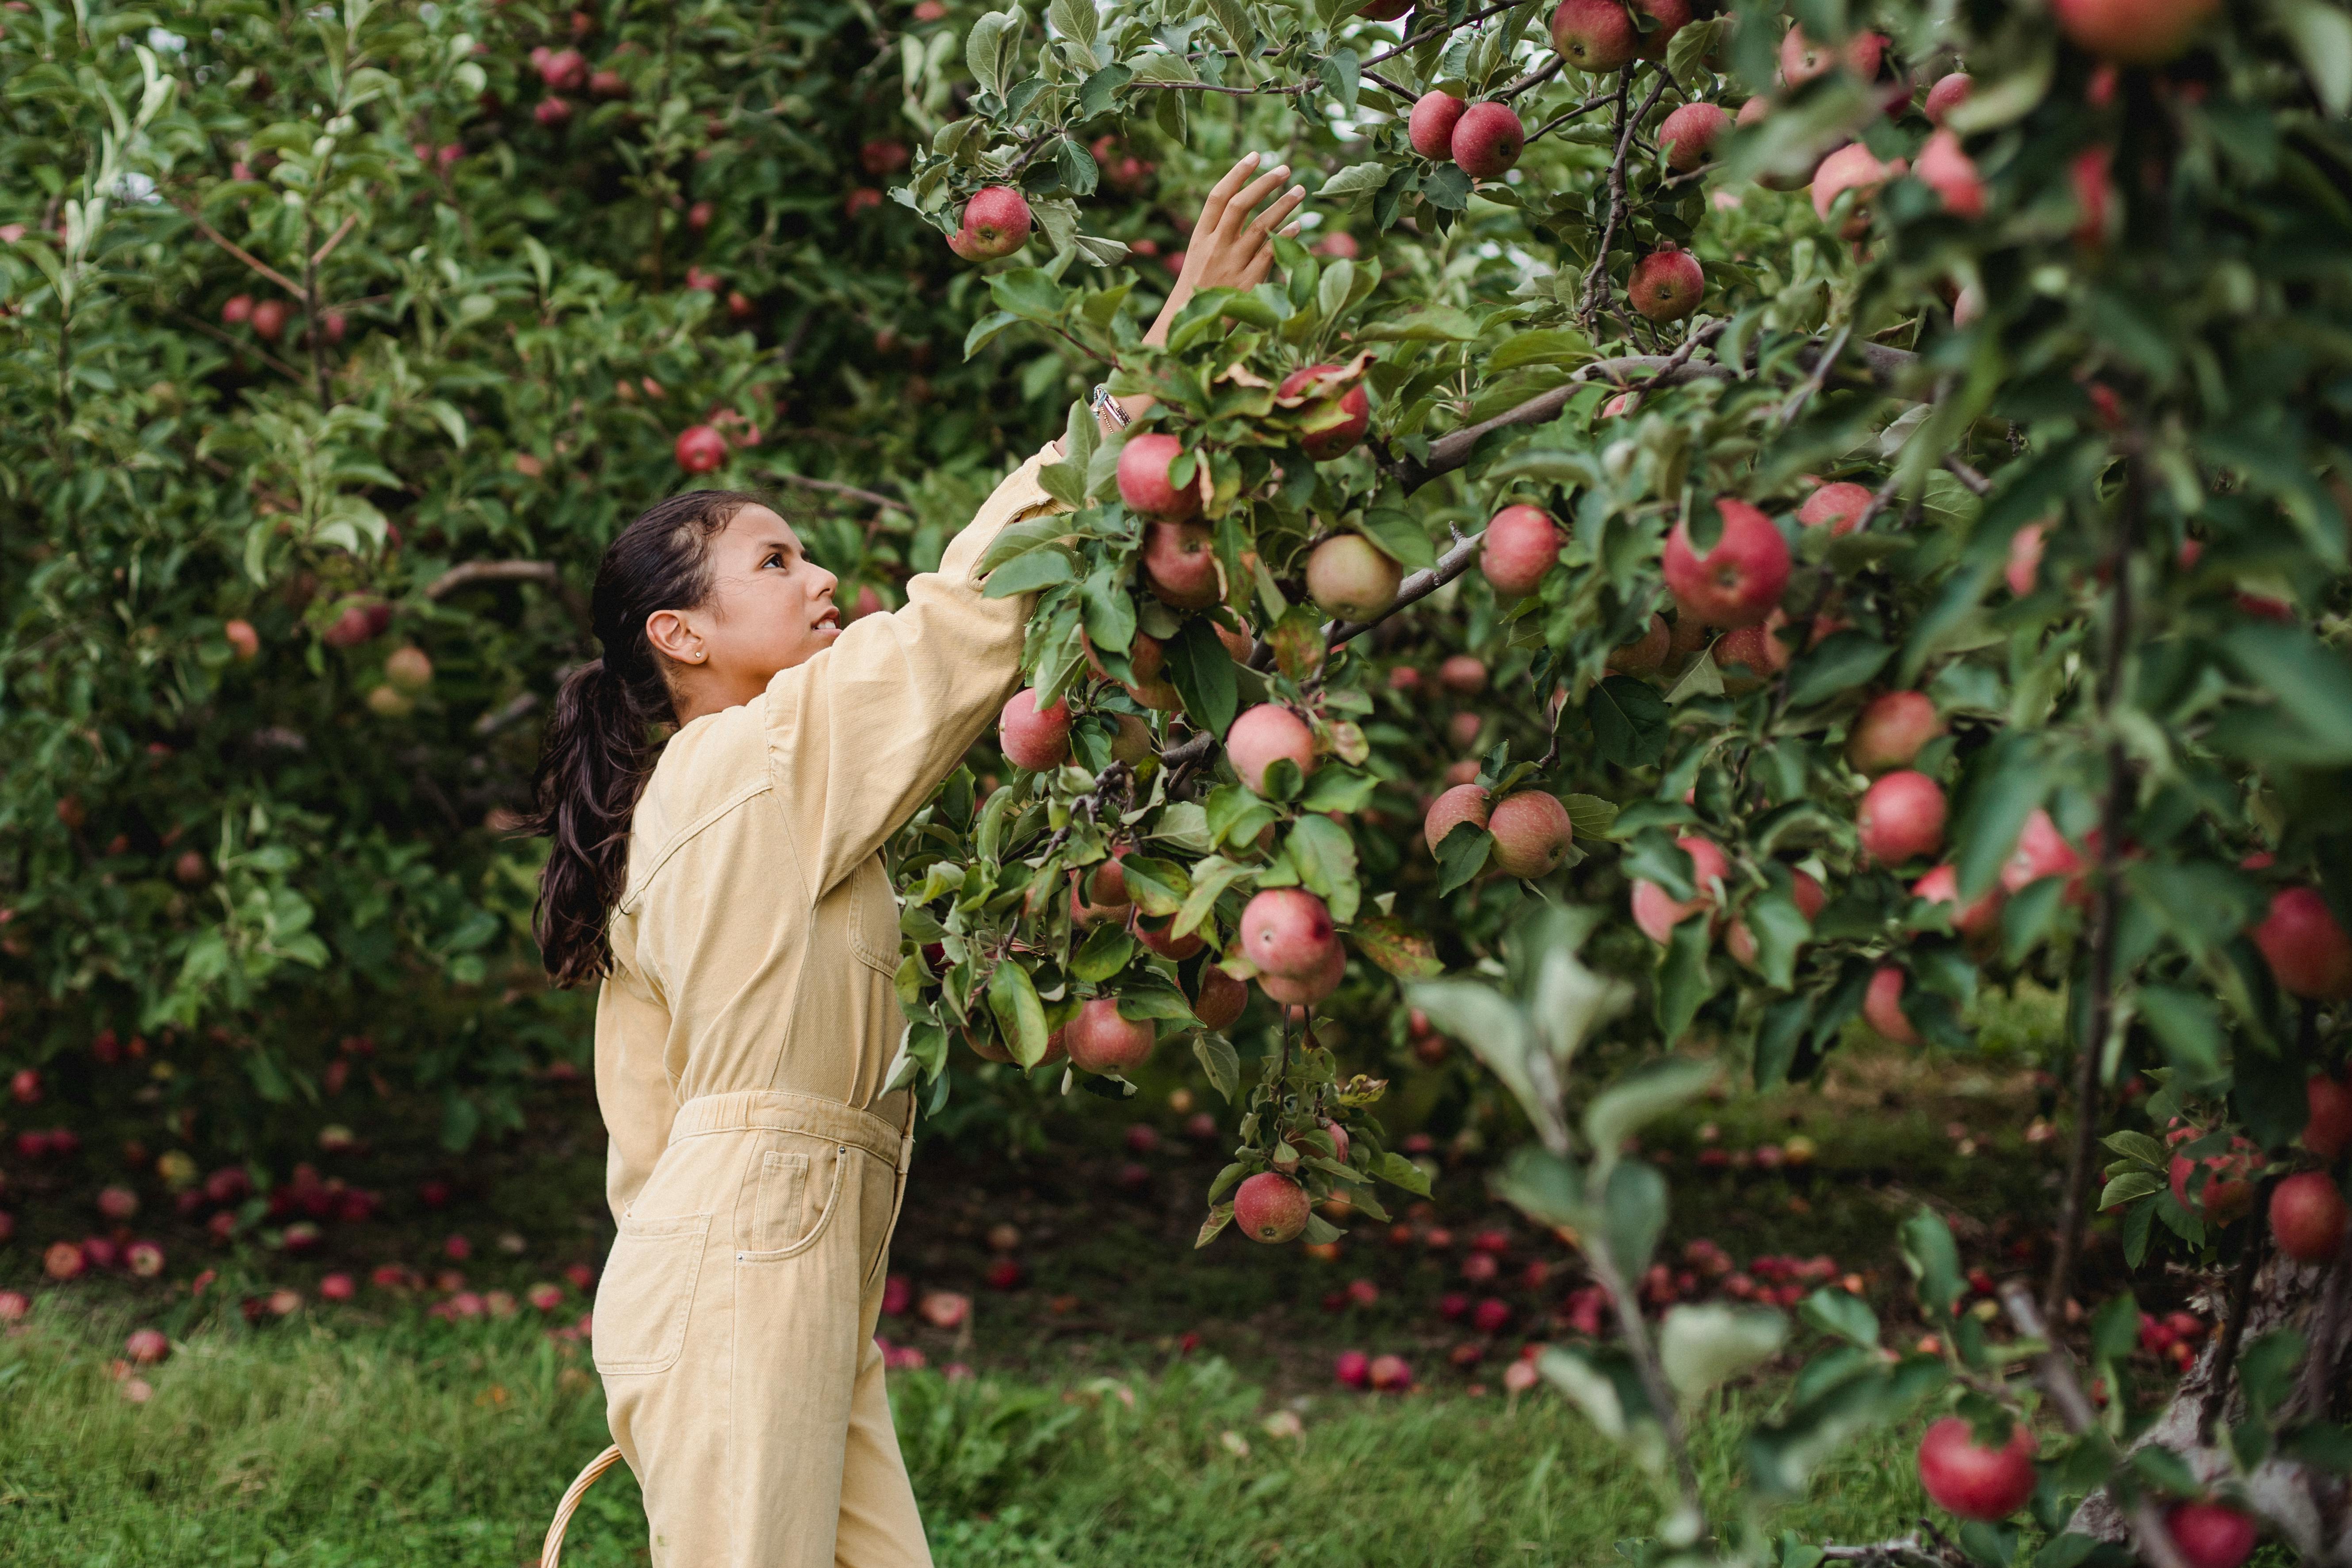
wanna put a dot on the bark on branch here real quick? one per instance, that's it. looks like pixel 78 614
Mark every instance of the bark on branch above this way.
pixel 465 573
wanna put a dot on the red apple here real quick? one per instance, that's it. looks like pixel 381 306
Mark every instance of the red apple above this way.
pixel 1287 933
pixel 1975 1482
pixel 1518 553
pixel 1901 817
pixel 237 310
pixel 2210 1534
pixel 1462 802
pixel 1430 127
pixel 1840 505
pixel 1952 175
pixel 1306 990
pixel 1809 897
pixel 1645 653
pixel 1949 93
pixel 1852 167
pixel 2307 1216
pixel 2330 1127
pixel 1334 423
pixel 1270 1207
pixel 1465 673
pixel 1942 885
pixel 2094 196
pixel 564 70
pixel 1882 1007
pixel 1220 1000
pixel 1143 482
pixel 145 1347
pixel 1031 737
pixel 2226 1193
pixel 1666 285
pixel 1532 834
pixel 1657 912
pixel 995 223
pixel 1801 60
pixel 1487 140
pixel 2024 567
pixel 1262 733
pixel 2307 951
pixel 243 641
pixel 1353 1368
pixel 1594 36
pixel 551 112
pixel 1688 134
pixel 1889 733
pixel 1101 1041
pixel 1350 578
pixel 1389 1373
pixel 700 448
pixel 1739 582
pixel 269 320
pixel 2042 851
pixel 1757 650
pixel 2134 32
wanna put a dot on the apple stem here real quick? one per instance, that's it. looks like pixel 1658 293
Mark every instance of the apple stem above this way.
pixel 2053 1370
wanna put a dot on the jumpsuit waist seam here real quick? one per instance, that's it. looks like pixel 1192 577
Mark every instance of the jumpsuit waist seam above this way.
pixel 781 1111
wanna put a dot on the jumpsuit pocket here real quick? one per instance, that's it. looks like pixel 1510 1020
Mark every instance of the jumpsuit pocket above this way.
pixel 779 1206
pixel 781 1171
pixel 646 1295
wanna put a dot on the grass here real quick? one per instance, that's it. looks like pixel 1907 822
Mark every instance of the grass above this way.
pixel 318 1443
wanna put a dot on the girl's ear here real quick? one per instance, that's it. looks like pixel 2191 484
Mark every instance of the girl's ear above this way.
pixel 672 638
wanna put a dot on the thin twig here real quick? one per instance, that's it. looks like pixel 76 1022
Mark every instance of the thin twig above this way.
pixel 835 487
pixel 466 573
pixel 2108 915
pixel 2238 1303
pixel 2053 1370
pixel 1415 40
pixel 1975 482
pixel 209 232
pixel 1812 382
pixel 320 256
pixel 1532 80
pixel 1412 590
pixel 1564 115
pixel 1596 280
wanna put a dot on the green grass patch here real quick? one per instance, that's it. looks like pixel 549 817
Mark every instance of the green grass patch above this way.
pixel 319 1442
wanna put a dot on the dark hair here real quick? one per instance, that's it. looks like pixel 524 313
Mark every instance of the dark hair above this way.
pixel 600 744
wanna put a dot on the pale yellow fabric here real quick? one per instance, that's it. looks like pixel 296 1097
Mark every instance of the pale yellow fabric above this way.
pixel 755 1171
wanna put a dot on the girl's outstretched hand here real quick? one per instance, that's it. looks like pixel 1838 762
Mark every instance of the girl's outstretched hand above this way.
pixel 1229 248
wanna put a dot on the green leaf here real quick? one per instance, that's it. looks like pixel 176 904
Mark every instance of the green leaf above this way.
pixel 1551 345
pixel 1634 1204
pixel 1211 878
pixel 1543 1186
pixel 1637 1099
pixel 1606 1385
pixel 1203 673
pixel 2008 783
pixel 1486 1021
pixel 1020 1015
pixel 1843 661
pixel 1589 815
pixel 2323 36
pixel 1399 536
pixel 2189 1029
pixel 1221 1062
pixel 1834 1311
pixel 1934 1259
pixel 1462 855
pixel 1684 979
pixel 1355 180
pixel 1397 948
pixel 1029 292
pixel 1703 1346
pixel 1222 1215
pixel 1325 858
pixel 1158 887
pixel 1629 720
pixel 2141 1147
pixel 1027 574
pixel 1103 954
pixel 1399 1171
pixel 2129 1187
pixel 1433 323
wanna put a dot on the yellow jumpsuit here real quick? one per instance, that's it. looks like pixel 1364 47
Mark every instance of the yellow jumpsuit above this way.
pixel 755 1169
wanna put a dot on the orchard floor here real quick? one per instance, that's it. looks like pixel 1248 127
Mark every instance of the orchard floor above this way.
pixel 340 1443
pixel 375 1431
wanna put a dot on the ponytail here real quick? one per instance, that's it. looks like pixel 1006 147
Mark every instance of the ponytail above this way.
pixel 600 743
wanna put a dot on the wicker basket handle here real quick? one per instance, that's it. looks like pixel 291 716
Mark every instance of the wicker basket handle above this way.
pixel 554 1546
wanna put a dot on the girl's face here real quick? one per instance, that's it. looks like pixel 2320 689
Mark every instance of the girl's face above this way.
pixel 769 608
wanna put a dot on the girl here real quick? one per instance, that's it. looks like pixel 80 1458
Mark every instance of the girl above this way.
pixel 727 889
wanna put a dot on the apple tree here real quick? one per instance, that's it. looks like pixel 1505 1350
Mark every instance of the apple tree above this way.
pixel 1889 463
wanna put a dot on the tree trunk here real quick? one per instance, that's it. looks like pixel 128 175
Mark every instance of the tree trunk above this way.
pixel 2311 1509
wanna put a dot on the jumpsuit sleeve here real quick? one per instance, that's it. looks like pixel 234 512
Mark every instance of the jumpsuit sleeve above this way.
pixel 860 735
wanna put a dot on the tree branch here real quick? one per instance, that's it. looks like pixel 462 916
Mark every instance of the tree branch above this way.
pixel 2093 1045
pixel 2240 1302
pixel 833 487
pixel 1596 279
pixel 209 232
pixel 2053 1370
pixel 1412 590
pixel 467 573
